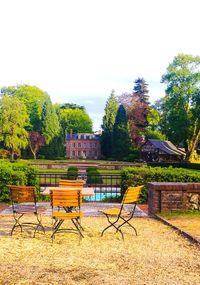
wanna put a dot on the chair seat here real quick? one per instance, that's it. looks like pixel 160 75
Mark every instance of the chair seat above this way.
pixel 66 216
pixel 114 212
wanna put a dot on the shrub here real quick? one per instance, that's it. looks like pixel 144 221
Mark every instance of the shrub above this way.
pixel 16 174
pixel 72 172
pixel 93 176
pixel 134 176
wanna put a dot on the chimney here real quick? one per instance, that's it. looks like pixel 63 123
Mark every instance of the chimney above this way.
pixel 70 134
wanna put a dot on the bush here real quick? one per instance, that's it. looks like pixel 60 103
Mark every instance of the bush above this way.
pixel 93 176
pixel 134 176
pixel 187 165
pixel 72 172
pixel 16 174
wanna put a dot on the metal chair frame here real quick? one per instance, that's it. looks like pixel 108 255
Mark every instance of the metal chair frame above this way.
pixel 20 195
pixel 70 201
pixel 121 220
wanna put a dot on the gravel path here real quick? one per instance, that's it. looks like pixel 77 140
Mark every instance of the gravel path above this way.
pixel 156 256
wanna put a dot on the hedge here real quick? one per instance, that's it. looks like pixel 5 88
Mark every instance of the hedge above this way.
pixel 16 174
pixel 187 165
pixel 133 176
pixel 93 176
pixel 72 172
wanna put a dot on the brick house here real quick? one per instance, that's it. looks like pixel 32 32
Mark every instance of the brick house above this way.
pixel 83 145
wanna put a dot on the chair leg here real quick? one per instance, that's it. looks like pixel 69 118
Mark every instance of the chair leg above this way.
pixel 39 225
pixel 56 227
pixel 127 222
pixel 112 224
pixel 77 225
pixel 17 223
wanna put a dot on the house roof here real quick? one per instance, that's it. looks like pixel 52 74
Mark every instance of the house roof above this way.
pixel 167 147
pixel 82 136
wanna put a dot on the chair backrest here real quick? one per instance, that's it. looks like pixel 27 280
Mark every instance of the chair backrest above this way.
pixel 132 194
pixel 71 183
pixel 22 194
pixel 66 198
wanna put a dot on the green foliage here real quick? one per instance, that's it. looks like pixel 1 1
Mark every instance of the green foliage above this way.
pixel 16 174
pixel 133 154
pixel 72 172
pixel 76 119
pixel 50 123
pixel 13 121
pixel 180 108
pixel 34 99
pixel 187 165
pixel 121 139
pixel 54 150
pixel 107 126
pixel 134 176
pixel 93 176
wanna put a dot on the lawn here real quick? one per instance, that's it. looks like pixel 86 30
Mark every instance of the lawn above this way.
pixel 186 221
pixel 156 256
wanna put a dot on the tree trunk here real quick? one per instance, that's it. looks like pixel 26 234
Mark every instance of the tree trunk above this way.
pixel 192 146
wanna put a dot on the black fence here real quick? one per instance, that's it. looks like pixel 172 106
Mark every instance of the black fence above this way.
pixel 107 187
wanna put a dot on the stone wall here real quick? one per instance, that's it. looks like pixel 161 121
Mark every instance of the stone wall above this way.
pixel 173 196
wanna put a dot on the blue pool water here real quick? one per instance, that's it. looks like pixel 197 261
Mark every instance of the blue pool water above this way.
pixel 101 196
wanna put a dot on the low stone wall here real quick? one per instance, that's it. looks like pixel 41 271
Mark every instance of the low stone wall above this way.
pixel 173 196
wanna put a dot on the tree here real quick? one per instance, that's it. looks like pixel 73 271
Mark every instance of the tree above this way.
pixel 36 140
pixel 34 99
pixel 138 112
pixel 13 120
pixel 180 107
pixel 76 120
pixel 108 123
pixel 141 90
pixel 50 122
pixel 121 142
pixel 153 129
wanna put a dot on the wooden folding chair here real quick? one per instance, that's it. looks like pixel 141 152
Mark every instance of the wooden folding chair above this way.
pixel 71 183
pixel 23 200
pixel 66 205
pixel 122 217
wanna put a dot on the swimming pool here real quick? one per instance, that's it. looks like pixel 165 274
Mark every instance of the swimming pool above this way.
pixel 100 196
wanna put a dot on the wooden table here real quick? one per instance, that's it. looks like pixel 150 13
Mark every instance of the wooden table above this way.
pixel 86 191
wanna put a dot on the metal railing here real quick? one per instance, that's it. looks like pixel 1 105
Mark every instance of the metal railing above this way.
pixel 107 187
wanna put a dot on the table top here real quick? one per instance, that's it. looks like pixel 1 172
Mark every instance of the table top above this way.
pixel 86 191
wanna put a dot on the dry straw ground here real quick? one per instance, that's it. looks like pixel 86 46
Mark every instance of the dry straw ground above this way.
pixel 156 256
pixel 188 224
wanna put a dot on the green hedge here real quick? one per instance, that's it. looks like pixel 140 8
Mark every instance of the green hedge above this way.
pixel 16 174
pixel 93 176
pixel 72 172
pixel 188 165
pixel 134 176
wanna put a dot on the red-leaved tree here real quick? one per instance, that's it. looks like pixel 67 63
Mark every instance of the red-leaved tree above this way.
pixel 36 140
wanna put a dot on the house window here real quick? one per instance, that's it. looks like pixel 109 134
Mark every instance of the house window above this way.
pixel 79 144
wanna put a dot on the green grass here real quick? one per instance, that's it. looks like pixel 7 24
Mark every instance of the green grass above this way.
pixel 193 213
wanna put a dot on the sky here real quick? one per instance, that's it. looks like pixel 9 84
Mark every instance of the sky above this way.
pixel 79 50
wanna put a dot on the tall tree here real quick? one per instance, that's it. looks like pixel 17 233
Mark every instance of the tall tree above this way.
pixel 108 123
pixel 138 112
pixel 50 122
pixel 121 142
pixel 141 90
pixel 180 107
pixel 13 120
